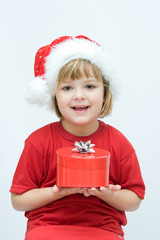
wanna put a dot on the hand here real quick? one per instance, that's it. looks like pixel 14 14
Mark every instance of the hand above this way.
pixel 65 191
pixel 102 191
pixel 123 200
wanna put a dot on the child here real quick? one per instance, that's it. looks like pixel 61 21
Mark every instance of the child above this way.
pixel 75 78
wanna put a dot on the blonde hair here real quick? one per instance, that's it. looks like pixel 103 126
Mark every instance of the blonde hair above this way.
pixel 73 70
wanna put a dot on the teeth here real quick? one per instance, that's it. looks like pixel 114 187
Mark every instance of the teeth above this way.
pixel 80 108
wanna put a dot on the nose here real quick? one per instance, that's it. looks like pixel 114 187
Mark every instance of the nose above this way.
pixel 79 94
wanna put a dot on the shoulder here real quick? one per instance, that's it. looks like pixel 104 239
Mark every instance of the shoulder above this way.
pixel 118 139
pixel 42 136
pixel 117 134
pixel 113 132
pixel 42 132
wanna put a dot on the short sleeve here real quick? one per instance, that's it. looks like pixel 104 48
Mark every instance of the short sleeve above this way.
pixel 130 175
pixel 28 174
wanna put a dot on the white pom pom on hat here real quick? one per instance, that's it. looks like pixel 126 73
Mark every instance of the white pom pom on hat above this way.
pixel 50 58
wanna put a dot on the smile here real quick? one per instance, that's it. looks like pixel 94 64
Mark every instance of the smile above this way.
pixel 80 108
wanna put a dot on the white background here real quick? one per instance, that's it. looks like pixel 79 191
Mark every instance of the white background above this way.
pixel 130 32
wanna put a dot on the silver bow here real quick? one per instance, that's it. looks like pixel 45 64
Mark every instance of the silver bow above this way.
pixel 82 147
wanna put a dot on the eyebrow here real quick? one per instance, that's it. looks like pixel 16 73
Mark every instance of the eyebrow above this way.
pixel 90 79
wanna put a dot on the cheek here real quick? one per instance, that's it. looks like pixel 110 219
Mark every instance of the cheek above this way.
pixel 98 102
pixel 59 100
pixel 62 100
pixel 98 98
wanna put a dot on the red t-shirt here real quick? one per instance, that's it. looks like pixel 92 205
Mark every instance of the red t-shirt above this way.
pixel 37 169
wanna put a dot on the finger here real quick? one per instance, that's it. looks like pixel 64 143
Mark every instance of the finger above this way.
pixel 55 189
pixel 74 189
pixel 94 191
pixel 104 189
pixel 86 193
pixel 114 187
pixel 68 190
pixel 82 190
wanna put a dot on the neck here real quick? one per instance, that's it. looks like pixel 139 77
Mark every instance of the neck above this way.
pixel 81 130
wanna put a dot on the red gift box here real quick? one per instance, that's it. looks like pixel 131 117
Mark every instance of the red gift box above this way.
pixel 82 169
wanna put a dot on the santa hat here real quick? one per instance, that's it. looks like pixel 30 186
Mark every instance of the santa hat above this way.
pixel 49 60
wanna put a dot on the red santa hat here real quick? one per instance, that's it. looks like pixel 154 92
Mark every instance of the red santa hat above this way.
pixel 49 60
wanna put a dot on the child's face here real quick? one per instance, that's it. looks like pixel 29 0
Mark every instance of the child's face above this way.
pixel 80 101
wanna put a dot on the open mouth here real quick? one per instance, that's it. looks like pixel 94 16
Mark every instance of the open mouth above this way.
pixel 80 108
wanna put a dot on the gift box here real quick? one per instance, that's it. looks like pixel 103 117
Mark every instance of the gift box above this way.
pixel 76 169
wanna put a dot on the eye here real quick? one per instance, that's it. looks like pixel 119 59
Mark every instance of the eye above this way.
pixel 67 88
pixel 90 86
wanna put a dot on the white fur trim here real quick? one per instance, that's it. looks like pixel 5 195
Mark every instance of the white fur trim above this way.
pixel 41 91
pixel 38 92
